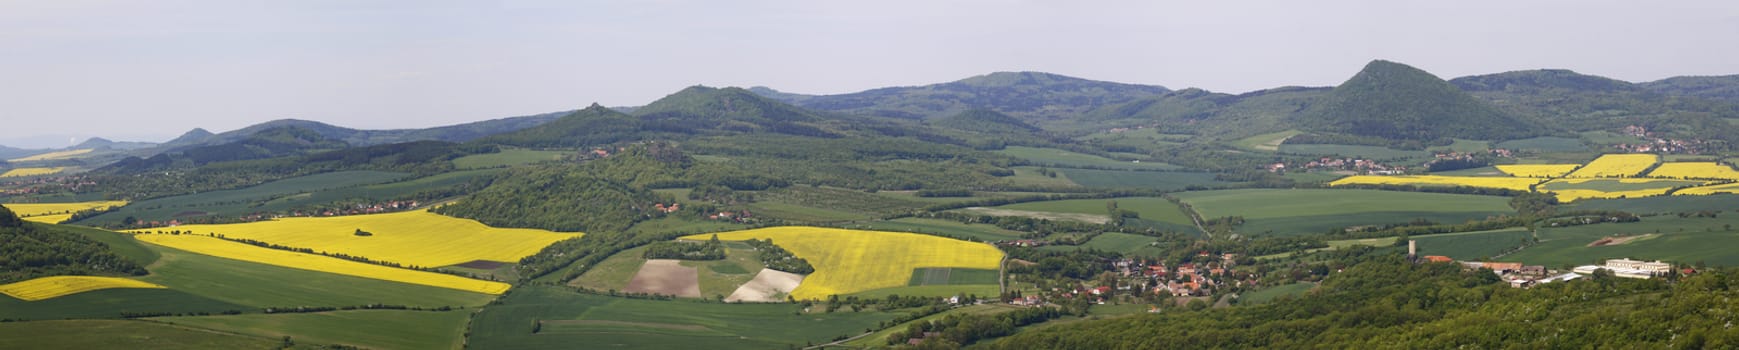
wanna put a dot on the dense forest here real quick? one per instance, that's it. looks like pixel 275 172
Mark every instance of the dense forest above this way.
pixel 30 250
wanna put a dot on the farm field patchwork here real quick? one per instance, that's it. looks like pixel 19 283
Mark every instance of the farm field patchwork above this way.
pixel 1064 158
pixel 1732 188
pixel 234 202
pixel 1471 245
pixel 56 286
pixel 415 238
pixel 54 213
pixel 849 261
pixel 1508 183
pixel 1302 211
pixel 24 172
pixel 538 317
pixel 1666 237
pixel 375 329
pixel 121 334
pixel 54 155
pixel 1570 190
pixel 239 251
pixel 1697 170
pixel 1617 165
pixel 1160 180
pixel 1537 170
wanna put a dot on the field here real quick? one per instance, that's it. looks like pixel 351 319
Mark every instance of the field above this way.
pixel 1303 211
pixel 1030 176
pixel 1472 245
pixel 1537 170
pixel 507 157
pixel 1708 190
pixel 1509 183
pixel 1666 237
pixel 118 334
pixel 56 286
pixel 1150 208
pixel 54 213
pixel 1570 190
pixel 1116 242
pixel 850 261
pixel 380 191
pixel 1545 144
pixel 1062 158
pixel 1367 152
pixel 375 329
pixel 929 276
pixel 238 251
pixel 1266 142
pixel 880 338
pixel 1159 180
pixel 1659 204
pixel 416 238
pixel 25 172
pixel 539 317
pixel 238 282
pixel 1700 170
pixel 54 155
pixel 1617 165
pixel 614 272
pixel 981 232
pixel 826 204
pixel 233 202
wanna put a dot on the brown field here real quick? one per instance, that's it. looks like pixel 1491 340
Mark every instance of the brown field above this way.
pixel 767 286
pixel 667 277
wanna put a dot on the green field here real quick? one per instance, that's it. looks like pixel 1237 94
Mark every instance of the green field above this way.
pixel 1544 144
pixel 1150 208
pixel 1030 176
pixel 1145 139
pixel 1160 180
pixel 929 276
pixel 118 334
pixel 1610 138
pixel 1472 246
pixel 259 285
pixel 1660 204
pixel 1669 238
pixel 1616 185
pixel 1367 152
pixel 232 202
pixel 1305 211
pixel 614 272
pixel 1480 171
pixel 565 320
pixel 376 191
pixel 981 290
pixel 982 232
pixel 828 204
pixel 112 303
pixel 506 158
pixel 375 329
pixel 1464 146
pixel 719 278
pixel 1269 294
pixel 1062 158
pixel 1265 142
pixel 1117 242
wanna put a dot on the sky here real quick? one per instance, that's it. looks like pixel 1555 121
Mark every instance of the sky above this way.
pixel 151 70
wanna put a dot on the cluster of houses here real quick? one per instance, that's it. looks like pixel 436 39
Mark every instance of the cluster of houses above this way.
pixel 1653 143
pixel 1524 276
pixel 1361 166
pixel 1184 280
pixel 738 216
pixel 32 185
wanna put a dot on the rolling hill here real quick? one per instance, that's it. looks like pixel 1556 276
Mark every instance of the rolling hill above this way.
pixel 1030 96
pixel 1398 102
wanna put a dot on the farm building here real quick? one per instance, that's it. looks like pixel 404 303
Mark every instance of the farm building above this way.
pixel 1629 268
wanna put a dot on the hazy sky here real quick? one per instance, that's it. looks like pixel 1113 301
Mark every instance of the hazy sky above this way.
pixel 149 70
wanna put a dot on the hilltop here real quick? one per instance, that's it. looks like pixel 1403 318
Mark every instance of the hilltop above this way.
pixel 1398 102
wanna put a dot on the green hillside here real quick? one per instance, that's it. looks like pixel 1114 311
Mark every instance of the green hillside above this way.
pixel 1398 102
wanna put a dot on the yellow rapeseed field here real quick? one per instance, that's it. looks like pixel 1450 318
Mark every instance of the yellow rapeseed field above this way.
pixel 56 286
pixel 22 172
pixel 1707 190
pixel 1512 183
pixel 1617 165
pixel 231 250
pixel 1697 170
pixel 413 238
pixel 851 261
pixel 53 155
pixel 1537 170
pixel 54 213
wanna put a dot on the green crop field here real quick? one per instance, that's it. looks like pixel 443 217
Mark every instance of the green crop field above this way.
pixel 1063 158
pixel 1480 171
pixel 981 290
pixel 236 201
pixel 1666 237
pixel 1116 242
pixel 827 204
pixel 1030 176
pixel 1368 152
pixel 375 329
pixel 1471 246
pixel 507 157
pixel 614 272
pixel 1265 142
pixel 553 318
pixel 260 285
pixel 1160 180
pixel 1660 204
pixel 119 334
pixel 1304 211
pixel 721 277
pixel 1616 185
pixel 1150 208
pixel 930 276
pixel 1269 294
pixel 112 303
pixel 1545 144
pixel 982 232
pixel 1461 145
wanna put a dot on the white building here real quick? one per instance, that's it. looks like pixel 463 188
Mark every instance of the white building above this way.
pixel 1629 268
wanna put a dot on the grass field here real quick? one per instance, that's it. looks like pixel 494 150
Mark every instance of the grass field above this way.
pixel 1063 158
pixel 1150 208
pixel 982 232
pixel 1367 152
pixel 551 318
pixel 54 213
pixel 118 334
pixel 1030 176
pixel 56 286
pixel 614 272
pixel 1570 190
pixel 828 204
pixel 980 290
pixel 1269 142
pixel 1472 245
pixel 932 276
pixel 1140 179
pixel 1538 170
pixel 850 261
pixel 1143 139
pixel 507 157
pixel 1659 204
pixel 26 172
pixel 112 303
pixel 1545 144
pixel 1303 211
pixel 54 155
pixel 238 251
pixel 1269 294
pixel 1508 183
pixel 1465 146
pixel 414 238
pixel 236 201
pixel 1698 170
pixel 721 277
pixel 1675 239
pixel 374 329
pixel 1128 244
pixel 1617 165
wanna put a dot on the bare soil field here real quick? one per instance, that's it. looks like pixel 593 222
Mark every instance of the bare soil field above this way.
pixel 767 286
pixel 667 277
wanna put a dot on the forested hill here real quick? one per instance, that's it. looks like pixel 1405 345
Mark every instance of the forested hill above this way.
pixel 1398 102
pixel 29 250
pixel 269 143
pixel 1725 88
pixel 1030 96
pixel 1580 102
pixel 986 121
pixel 451 133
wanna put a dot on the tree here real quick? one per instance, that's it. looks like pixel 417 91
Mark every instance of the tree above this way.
pixel 8 219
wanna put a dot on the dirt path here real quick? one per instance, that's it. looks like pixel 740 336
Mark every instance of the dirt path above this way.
pixel 767 286
pixel 667 277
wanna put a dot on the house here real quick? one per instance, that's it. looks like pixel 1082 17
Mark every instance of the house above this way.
pixel 1503 267
pixel 1533 270
pixel 1438 259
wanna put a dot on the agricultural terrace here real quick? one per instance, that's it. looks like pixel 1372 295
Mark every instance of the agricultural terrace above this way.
pixel 1708 190
pixel 1617 165
pixel 1570 190
pixel 417 238
pixel 23 172
pixel 239 251
pixel 55 286
pixel 54 213
pixel 54 155
pixel 1510 183
pixel 1303 211
pixel 1537 170
pixel 1697 170
pixel 851 261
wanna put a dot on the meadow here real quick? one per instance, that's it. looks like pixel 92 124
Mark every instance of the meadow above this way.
pixel 1471 246
pixel 1509 183
pixel 1305 211
pixel 1660 204
pixel 538 317
pixel 849 261
pixel 1696 170
pixel 243 252
pixel 56 286
pixel 1063 158
pixel 374 329
pixel 1269 142
pixel 54 213
pixel 1160 180
pixel 506 158
pixel 1666 237
pixel 1617 165
pixel 27 172
pixel 1538 170
pixel 416 238
pixel 121 334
